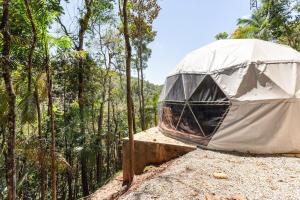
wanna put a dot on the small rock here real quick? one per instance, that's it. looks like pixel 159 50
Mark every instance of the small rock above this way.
pixel 210 196
pixel 237 197
pixel 220 175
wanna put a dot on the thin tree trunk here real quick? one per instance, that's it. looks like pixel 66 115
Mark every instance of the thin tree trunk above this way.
pixel 108 134
pixel 141 92
pixel 133 117
pixel 128 88
pixel 41 150
pixel 99 154
pixel 83 27
pixel 11 139
pixel 51 124
pixel 36 93
pixel 143 99
pixel 116 141
pixel 33 44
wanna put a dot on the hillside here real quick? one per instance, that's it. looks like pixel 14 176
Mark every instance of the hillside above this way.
pixel 193 176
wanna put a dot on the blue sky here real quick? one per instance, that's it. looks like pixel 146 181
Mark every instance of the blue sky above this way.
pixel 182 26
pixel 185 25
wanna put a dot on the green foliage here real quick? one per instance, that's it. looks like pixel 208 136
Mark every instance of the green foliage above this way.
pixel 104 87
pixel 63 42
pixel 28 109
pixel 273 20
pixel 222 35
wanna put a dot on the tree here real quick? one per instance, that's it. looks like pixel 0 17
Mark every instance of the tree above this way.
pixel 141 19
pixel 6 73
pixel 128 90
pixel 42 142
pixel 273 20
pixel 222 35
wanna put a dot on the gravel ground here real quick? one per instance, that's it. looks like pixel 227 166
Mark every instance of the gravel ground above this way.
pixel 251 177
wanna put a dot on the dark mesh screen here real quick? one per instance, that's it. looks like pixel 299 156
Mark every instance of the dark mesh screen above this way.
pixel 188 123
pixel 176 92
pixel 209 116
pixel 171 114
pixel 208 90
pixel 191 82
pixel 193 104
pixel 170 82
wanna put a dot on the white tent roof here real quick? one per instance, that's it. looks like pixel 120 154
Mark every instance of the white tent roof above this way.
pixel 231 52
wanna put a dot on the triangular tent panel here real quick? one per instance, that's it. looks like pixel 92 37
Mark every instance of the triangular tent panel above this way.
pixel 171 114
pixel 176 91
pixel 191 82
pixel 208 91
pixel 209 116
pixel 168 85
pixel 256 85
pixel 188 123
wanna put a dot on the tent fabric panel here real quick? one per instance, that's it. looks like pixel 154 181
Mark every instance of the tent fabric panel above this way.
pixel 230 79
pixel 162 95
pixel 285 75
pixel 191 82
pixel 297 87
pixel 176 91
pixel 260 127
pixel 169 83
pixel 209 116
pixel 223 54
pixel 256 85
pixel 208 91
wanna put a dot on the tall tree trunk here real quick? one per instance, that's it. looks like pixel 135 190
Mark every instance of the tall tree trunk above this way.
pixel 116 139
pixel 68 147
pixel 36 95
pixel 11 139
pixel 133 117
pixel 41 148
pixel 108 134
pixel 83 27
pixel 33 44
pixel 143 100
pixel 141 92
pixel 128 88
pixel 51 123
pixel 99 138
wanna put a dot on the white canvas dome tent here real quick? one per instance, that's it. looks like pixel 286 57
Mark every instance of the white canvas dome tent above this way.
pixel 235 95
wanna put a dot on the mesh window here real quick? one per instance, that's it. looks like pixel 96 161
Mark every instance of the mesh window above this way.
pixel 188 123
pixel 176 91
pixel 191 82
pixel 171 114
pixel 209 116
pixel 208 90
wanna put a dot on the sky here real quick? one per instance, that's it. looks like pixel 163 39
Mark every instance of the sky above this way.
pixel 182 26
pixel 185 25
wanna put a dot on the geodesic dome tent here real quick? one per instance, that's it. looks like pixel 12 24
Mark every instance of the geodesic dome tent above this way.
pixel 235 95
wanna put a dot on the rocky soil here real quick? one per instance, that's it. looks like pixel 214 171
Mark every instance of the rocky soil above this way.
pixel 210 175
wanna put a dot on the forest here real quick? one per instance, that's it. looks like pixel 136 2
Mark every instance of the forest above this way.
pixel 66 93
pixel 63 94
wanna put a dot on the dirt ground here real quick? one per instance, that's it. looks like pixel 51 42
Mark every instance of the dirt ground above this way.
pixel 115 190
pixel 209 175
